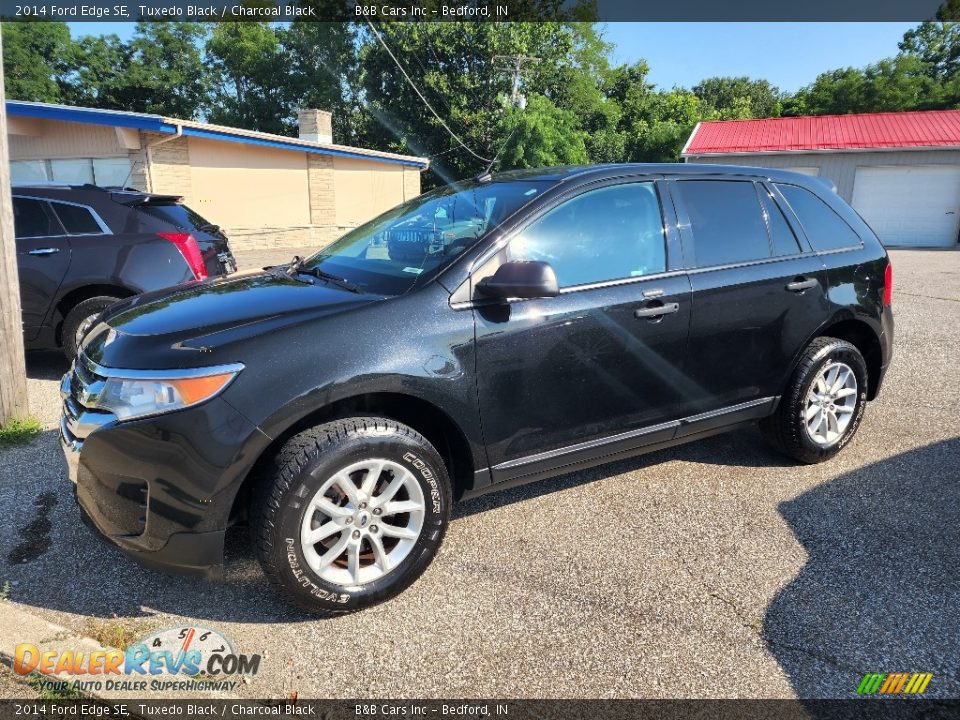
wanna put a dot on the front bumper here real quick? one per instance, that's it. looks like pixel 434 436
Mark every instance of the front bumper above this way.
pixel 161 488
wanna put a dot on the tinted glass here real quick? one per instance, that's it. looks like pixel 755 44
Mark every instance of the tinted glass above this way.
pixel 180 216
pixel 605 234
pixel 416 240
pixel 782 239
pixel 30 219
pixel 728 226
pixel 824 228
pixel 77 220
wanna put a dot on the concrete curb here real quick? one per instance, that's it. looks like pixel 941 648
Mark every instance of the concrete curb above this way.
pixel 20 626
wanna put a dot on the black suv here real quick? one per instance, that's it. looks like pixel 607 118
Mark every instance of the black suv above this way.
pixel 80 248
pixel 340 404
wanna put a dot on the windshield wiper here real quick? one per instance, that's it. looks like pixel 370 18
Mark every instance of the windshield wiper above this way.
pixel 338 281
pixel 295 267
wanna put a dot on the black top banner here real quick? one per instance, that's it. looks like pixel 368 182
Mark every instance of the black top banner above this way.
pixel 479 10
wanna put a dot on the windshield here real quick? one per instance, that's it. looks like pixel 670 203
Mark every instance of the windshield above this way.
pixel 416 240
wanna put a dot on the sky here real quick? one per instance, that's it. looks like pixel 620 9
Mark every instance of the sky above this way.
pixel 789 55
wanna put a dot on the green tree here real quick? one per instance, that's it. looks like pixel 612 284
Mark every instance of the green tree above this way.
pixel 98 72
pixel 166 73
pixel 464 72
pixel 894 84
pixel 738 97
pixel 324 73
pixel 937 44
pixel 35 60
pixel 542 135
pixel 250 77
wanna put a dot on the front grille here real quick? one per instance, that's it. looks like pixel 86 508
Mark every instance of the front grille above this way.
pixel 410 236
pixel 80 391
pixel 86 385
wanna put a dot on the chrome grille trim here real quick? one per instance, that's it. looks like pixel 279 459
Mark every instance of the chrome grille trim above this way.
pixel 178 373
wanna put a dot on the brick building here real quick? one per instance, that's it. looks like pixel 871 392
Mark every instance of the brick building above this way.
pixel 264 190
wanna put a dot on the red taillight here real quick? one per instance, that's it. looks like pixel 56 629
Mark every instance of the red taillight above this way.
pixel 888 284
pixel 188 247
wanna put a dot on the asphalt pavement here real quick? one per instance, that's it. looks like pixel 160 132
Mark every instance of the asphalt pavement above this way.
pixel 717 569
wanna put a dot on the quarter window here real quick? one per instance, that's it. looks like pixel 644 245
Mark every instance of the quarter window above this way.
pixel 728 226
pixel 824 228
pixel 76 219
pixel 605 234
pixel 31 219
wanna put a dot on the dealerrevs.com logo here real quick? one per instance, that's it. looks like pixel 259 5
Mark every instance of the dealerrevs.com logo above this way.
pixel 179 658
pixel 894 683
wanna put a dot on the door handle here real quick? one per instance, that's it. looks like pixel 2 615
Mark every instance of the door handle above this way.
pixel 801 285
pixel 43 251
pixel 654 311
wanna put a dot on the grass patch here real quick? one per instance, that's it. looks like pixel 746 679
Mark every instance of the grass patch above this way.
pixel 19 431
pixel 116 632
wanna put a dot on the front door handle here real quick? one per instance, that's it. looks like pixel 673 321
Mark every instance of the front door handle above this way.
pixel 43 251
pixel 655 311
pixel 801 285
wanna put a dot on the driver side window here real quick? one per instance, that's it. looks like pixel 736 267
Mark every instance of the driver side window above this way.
pixel 606 234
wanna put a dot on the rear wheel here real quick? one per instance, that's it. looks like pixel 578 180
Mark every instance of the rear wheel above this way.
pixel 80 319
pixel 352 513
pixel 823 405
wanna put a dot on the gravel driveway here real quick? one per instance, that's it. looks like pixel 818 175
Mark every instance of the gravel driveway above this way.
pixel 713 570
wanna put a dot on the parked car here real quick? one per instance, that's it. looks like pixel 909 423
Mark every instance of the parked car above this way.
pixel 341 404
pixel 80 248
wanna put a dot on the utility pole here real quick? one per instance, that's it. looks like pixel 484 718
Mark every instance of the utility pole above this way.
pixel 13 376
pixel 514 64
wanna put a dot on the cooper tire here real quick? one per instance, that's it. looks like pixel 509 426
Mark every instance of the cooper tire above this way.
pixel 808 402
pixel 292 505
pixel 82 316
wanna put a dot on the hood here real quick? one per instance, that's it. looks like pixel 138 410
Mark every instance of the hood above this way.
pixel 204 315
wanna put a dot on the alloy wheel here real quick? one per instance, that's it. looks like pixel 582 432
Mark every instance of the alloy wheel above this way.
pixel 362 522
pixel 830 403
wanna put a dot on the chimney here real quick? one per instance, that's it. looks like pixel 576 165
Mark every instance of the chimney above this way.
pixel 315 125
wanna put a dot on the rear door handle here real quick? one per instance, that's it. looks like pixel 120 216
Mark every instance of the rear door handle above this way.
pixel 652 311
pixel 801 285
pixel 43 251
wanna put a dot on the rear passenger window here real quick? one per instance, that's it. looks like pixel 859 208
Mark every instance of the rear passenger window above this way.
pixel 728 226
pixel 782 239
pixel 31 219
pixel 824 228
pixel 76 219
pixel 605 234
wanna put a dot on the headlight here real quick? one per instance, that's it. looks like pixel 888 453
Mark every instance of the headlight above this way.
pixel 133 394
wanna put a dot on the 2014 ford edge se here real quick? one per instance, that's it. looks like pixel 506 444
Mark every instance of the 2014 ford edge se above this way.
pixel 486 334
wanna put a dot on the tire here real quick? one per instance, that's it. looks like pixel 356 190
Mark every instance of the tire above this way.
pixel 789 431
pixel 312 462
pixel 80 319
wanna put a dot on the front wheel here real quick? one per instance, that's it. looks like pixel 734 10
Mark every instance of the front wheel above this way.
pixel 823 405
pixel 352 514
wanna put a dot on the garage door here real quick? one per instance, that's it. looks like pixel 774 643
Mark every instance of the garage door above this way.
pixel 911 205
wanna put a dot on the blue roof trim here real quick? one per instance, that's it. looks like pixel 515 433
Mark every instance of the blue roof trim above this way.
pixel 217 135
pixel 156 123
pixel 139 121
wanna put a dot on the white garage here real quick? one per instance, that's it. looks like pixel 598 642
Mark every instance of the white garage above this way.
pixel 916 206
pixel 900 170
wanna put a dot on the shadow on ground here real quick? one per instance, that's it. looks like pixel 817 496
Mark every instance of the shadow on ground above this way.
pixel 879 591
pixel 46 365
pixel 53 561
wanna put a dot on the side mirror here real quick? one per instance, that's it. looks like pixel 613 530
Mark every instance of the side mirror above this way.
pixel 520 279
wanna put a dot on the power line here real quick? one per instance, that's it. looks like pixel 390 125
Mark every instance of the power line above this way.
pixel 420 94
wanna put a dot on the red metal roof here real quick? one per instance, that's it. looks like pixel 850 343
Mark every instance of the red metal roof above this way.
pixel 930 128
